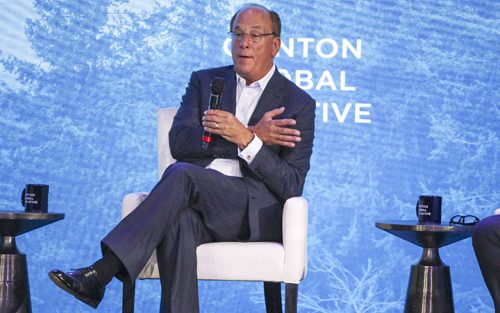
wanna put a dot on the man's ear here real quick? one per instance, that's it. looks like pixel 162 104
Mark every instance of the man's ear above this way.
pixel 276 45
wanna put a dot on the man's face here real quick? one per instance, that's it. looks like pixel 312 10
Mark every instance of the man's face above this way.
pixel 252 60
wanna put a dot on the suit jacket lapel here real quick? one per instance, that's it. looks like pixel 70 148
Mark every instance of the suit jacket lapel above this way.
pixel 271 98
pixel 228 101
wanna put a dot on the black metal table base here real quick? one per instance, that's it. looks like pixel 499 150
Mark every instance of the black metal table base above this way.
pixel 14 282
pixel 429 286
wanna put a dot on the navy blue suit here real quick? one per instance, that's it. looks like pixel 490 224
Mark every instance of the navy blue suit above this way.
pixel 192 205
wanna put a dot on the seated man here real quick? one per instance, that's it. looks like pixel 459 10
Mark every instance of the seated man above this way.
pixel 486 242
pixel 234 190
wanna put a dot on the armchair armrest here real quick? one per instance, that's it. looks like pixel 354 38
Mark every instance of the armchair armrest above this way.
pixel 131 201
pixel 295 239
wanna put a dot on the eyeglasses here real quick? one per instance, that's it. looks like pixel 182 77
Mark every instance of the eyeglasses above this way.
pixel 254 36
pixel 464 220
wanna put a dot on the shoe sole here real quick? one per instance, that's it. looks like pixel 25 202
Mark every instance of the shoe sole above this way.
pixel 61 285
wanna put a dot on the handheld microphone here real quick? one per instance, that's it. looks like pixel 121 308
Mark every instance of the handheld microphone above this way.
pixel 214 103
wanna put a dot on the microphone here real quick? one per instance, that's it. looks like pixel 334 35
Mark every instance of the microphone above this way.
pixel 215 92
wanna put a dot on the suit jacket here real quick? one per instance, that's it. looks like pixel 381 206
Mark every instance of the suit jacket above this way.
pixel 276 173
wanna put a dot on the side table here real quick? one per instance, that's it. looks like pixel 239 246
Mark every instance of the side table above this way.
pixel 429 287
pixel 14 282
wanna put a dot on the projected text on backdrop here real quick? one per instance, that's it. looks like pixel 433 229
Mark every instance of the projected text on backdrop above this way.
pixel 326 80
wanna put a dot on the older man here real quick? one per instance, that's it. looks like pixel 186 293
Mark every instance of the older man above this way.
pixel 232 191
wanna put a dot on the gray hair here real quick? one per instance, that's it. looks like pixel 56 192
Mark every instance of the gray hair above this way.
pixel 275 18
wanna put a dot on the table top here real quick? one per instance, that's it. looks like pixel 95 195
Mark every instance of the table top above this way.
pixel 426 235
pixel 14 223
pixel 12 214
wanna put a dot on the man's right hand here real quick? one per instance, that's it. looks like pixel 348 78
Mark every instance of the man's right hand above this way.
pixel 276 131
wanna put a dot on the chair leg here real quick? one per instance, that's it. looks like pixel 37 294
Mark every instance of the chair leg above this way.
pixel 272 294
pixel 128 297
pixel 291 296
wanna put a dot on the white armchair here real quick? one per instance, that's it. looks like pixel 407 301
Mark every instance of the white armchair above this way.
pixel 270 262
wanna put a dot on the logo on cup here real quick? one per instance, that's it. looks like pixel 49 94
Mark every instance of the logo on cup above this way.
pixel 429 209
pixel 35 198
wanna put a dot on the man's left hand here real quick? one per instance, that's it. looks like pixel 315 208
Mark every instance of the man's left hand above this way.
pixel 225 124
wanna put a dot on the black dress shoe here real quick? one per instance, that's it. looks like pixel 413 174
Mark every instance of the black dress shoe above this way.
pixel 82 283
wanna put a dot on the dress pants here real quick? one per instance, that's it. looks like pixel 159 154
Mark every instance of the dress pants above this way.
pixel 486 242
pixel 189 206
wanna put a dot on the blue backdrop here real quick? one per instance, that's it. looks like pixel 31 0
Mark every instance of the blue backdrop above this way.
pixel 408 104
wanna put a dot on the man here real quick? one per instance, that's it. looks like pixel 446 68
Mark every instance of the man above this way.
pixel 486 242
pixel 232 191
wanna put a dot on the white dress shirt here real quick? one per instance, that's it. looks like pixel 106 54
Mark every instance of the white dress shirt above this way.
pixel 247 98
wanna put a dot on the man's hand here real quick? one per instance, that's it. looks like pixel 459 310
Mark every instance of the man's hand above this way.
pixel 276 132
pixel 225 124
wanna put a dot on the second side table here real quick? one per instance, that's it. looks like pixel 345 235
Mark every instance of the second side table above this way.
pixel 429 286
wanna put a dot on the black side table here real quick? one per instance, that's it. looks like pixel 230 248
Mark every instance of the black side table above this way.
pixel 429 286
pixel 14 282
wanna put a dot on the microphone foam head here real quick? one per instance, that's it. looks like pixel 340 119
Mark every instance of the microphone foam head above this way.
pixel 217 86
